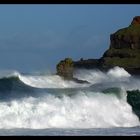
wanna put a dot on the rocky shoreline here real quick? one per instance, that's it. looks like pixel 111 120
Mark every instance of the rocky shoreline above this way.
pixel 124 51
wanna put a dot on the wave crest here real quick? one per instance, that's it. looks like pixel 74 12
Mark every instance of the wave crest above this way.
pixel 118 72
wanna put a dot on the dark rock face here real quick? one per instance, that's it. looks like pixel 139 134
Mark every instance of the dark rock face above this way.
pixel 136 20
pixel 124 48
pixel 87 64
pixel 133 98
pixel 127 37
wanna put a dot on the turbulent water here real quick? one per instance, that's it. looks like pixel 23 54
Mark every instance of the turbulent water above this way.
pixel 43 104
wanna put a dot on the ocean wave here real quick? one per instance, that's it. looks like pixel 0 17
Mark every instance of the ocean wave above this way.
pixel 83 110
pixel 48 101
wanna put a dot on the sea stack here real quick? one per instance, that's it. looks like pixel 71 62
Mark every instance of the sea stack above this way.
pixel 65 68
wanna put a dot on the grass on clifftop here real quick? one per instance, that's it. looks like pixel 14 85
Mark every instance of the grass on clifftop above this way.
pixel 131 30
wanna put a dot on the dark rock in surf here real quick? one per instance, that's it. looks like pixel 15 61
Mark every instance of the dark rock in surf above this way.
pixel 133 98
pixel 65 69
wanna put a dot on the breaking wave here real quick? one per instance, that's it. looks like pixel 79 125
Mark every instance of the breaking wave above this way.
pixel 83 110
pixel 67 104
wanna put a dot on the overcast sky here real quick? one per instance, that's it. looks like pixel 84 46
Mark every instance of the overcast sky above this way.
pixel 36 37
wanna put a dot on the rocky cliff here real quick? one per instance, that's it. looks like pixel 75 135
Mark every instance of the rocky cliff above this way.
pixel 124 51
pixel 124 47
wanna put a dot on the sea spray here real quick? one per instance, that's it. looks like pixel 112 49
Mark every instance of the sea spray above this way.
pixel 97 76
pixel 55 81
pixel 8 73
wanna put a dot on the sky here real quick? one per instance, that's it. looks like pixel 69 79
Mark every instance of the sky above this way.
pixel 35 37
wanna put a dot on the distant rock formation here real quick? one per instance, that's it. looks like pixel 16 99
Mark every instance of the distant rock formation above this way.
pixel 124 51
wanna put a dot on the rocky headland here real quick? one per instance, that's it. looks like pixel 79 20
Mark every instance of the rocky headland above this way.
pixel 124 51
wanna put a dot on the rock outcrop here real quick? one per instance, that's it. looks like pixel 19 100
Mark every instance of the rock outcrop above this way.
pixel 133 98
pixel 136 20
pixel 87 64
pixel 65 68
pixel 124 51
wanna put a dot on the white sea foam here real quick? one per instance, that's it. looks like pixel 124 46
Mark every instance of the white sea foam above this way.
pixel 96 76
pixel 92 76
pixel 55 81
pixel 118 72
pixel 84 110
pixel 115 75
